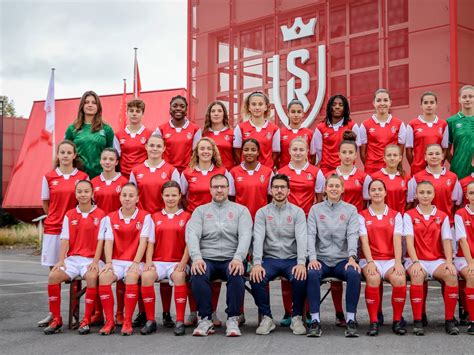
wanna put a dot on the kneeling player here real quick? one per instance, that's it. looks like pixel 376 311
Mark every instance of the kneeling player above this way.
pixel 80 244
pixel 126 236
pixel 380 233
pixel 167 257
pixel 429 246
pixel 464 262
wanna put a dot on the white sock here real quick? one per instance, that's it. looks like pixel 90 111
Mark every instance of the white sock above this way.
pixel 315 316
pixel 350 316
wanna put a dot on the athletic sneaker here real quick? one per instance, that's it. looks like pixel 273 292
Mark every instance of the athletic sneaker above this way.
pixel 215 320
pixel 470 329
pixel 139 320
pixel 399 328
pixel 314 329
pixel 232 327
pixel 126 328
pixel 267 325
pixel 286 320
pixel 450 326
pixel 54 327
pixel 107 329
pixel 418 328
pixel 179 329
pixel 340 320
pixel 373 329
pixel 149 327
pixel 297 325
pixel 192 320
pixel 351 330
pixel 167 320
pixel 84 327
pixel 204 328
pixel 45 321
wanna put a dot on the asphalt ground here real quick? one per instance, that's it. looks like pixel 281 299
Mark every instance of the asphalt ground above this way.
pixel 23 301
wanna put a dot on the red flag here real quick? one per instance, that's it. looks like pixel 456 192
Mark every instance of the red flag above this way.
pixel 137 86
pixel 123 107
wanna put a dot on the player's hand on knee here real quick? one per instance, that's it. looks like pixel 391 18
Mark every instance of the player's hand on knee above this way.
pixel 60 266
pixel 299 272
pixel 314 265
pixel 107 268
pixel 236 267
pixel 450 269
pixel 257 273
pixel 198 267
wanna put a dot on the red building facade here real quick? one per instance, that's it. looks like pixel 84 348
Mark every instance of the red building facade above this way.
pixel 340 46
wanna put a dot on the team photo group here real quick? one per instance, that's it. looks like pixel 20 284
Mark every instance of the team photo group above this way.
pixel 187 206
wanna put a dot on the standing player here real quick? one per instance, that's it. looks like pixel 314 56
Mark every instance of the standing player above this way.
pixel 430 251
pixel 426 129
pixel 179 133
pixel 251 178
pixel 287 134
pixel 126 233
pixel 394 178
pixel 167 257
pixel 466 181
pixel 90 133
pixel 464 261
pixel 79 255
pixel 380 234
pixel 378 131
pixel 216 127
pixel 257 108
pixel 130 142
pixel 328 134
pixel 57 194
pixel 333 228
pixel 461 134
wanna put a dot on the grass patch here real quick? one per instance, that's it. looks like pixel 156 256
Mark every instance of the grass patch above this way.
pixel 19 234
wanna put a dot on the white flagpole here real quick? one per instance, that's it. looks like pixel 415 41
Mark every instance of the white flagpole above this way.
pixel 50 109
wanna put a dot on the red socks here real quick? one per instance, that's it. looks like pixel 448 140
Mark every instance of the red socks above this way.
pixel 107 300
pixel 54 298
pixel 287 296
pixel 180 294
pixel 399 295
pixel 451 294
pixel 216 290
pixel 416 299
pixel 469 293
pixel 131 298
pixel 120 292
pixel 149 297
pixel 336 294
pixel 372 300
pixel 90 300
pixel 166 292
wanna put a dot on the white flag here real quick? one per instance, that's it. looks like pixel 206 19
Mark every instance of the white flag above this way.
pixel 49 106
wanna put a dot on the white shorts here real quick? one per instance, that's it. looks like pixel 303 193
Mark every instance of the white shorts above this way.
pixel 50 249
pixel 164 269
pixel 77 265
pixel 429 266
pixel 459 263
pixel 382 265
pixel 121 267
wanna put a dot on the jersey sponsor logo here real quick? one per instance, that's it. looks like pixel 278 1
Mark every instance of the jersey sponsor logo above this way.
pixel 189 135
pixel 230 215
pixel 74 222
pixel 138 225
pixel 116 226
pixel 458 125
pixel 269 135
pixel 96 221
pixel 122 141
pixel 391 221
pixel 284 138
pixel 247 134
pixel 118 189
pixel 181 222
pixel 342 217
pixel 393 129
pixel 371 130
pixel 97 188
pixel 55 183
pixel 209 216
pixel 167 135
pixel 240 179
pixel 194 179
pixel 467 223
pixel 449 182
pixel 227 137
pixel 289 219
pixel 416 221
pixel 164 175
pixel 368 223
pixel 418 130
pixel 262 178
pixel 158 223
pixel 142 140
pixel 140 176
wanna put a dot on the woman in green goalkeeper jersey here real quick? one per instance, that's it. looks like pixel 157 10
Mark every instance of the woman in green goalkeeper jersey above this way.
pixel 461 134
pixel 90 134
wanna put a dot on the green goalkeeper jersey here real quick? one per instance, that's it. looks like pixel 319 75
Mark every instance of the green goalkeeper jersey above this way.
pixel 461 136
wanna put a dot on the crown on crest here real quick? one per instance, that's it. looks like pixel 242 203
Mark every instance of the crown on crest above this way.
pixel 298 30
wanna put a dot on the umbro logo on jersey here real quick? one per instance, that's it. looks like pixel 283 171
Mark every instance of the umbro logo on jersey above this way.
pixel 247 134
pixel 189 135
pixel 269 218
pixel 458 125
pixel 74 222
pixel 122 141
pixel 97 188
pixel 322 217
pixel 371 130
pixel 284 138
pixel 209 216
pixel 240 179
pixel 55 183
pixel 416 220
pixel 116 226
pixel 159 223
pixel 419 130
pixel 269 135
pixel 142 140
pixel 368 223
pixel 140 176
pixel 167 135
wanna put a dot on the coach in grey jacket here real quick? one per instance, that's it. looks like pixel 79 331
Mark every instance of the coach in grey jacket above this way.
pixel 218 237
pixel 279 249
pixel 333 234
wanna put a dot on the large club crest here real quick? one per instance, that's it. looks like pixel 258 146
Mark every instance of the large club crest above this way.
pixel 297 31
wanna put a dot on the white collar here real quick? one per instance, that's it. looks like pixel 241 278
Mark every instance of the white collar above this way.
pixel 422 119
pixel 298 171
pixel 431 214
pixel 171 215
pixel 443 172
pixel 380 123
pixel 134 215
pixel 204 171
pixel 468 209
pixel 337 125
pixel 372 213
pixel 152 169
pixel 140 131
pixel 338 172
pixel 85 214
pixel 257 168
pixel 265 125
pixel 385 172
pixel 66 176
pixel 186 124
pixel 115 178
pixel 216 133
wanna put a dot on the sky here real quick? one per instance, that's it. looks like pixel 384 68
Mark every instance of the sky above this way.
pixel 90 43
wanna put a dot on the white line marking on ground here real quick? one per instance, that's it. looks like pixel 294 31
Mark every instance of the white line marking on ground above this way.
pixel 28 293
pixel 19 261
pixel 25 283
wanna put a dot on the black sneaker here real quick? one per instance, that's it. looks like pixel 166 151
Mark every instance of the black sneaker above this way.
pixel 424 319
pixel 167 320
pixel 380 318
pixel 179 329
pixel 148 328
pixel 351 330
pixel 418 328
pixel 470 329
pixel 139 320
pixel 450 326
pixel 373 329
pixel 314 330
pixel 54 327
pixel 340 319
pixel 399 328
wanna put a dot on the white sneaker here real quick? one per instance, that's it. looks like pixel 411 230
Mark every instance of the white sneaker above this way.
pixel 45 321
pixel 297 325
pixel 204 328
pixel 232 327
pixel 267 325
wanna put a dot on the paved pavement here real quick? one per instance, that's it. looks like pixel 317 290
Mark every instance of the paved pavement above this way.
pixel 23 302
